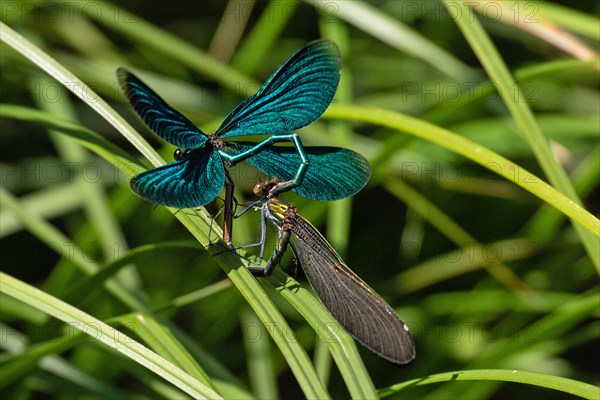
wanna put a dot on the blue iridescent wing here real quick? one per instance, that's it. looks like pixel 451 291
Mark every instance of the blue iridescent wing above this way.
pixel 293 97
pixel 334 173
pixel 165 121
pixel 193 181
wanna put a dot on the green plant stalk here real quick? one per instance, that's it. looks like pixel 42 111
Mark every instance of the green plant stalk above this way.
pixel 544 224
pixel 522 75
pixel 19 361
pixel 339 212
pixel 429 272
pixel 93 195
pixel 551 327
pixel 576 21
pixel 343 348
pixel 85 286
pixel 471 150
pixel 133 26
pixel 74 84
pixel 48 203
pixel 94 142
pixel 454 232
pixel 105 334
pixel 371 20
pixel 521 113
pixel 263 35
pixel 581 389
pixel 156 334
pixel 261 373
pixel 60 243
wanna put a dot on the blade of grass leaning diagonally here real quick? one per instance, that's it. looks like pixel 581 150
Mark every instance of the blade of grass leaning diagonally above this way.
pixel 523 116
pixel 481 155
pixel 95 205
pixel 21 357
pixel 90 139
pixel 264 34
pixel 544 224
pixel 261 373
pixel 48 203
pixel 455 233
pixel 158 337
pixel 551 327
pixel 396 34
pixel 229 31
pixel 339 212
pixel 574 20
pixel 584 390
pixel 519 15
pixel 98 330
pixel 431 271
pixel 59 242
pixel 140 31
pixel 75 85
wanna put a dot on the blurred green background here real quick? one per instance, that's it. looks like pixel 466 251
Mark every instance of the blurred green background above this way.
pixel 485 274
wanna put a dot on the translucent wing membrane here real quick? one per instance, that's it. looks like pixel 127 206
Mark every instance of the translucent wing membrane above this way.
pixel 293 97
pixel 165 121
pixel 360 310
pixel 193 181
pixel 334 173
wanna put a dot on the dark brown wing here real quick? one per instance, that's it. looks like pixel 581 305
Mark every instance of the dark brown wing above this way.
pixel 350 300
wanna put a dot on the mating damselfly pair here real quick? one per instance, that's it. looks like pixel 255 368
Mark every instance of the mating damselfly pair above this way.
pixel 292 97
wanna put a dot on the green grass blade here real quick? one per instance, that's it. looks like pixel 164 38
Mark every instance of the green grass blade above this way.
pixel 105 334
pixel 558 383
pixel 455 263
pixel 570 18
pixel 61 244
pixel 260 367
pixel 513 97
pixel 65 370
pixel 391 31
pixel 339 212
pixel 545 223
pixel 47 203
pixel 80 89
pixel 263 35
pixel 229 383
pixel 455 233
pixel 481 155
pixel 86 286
pixel 547 329
pixel 94 195
pixel 340 343
pixel 157 335
pixel 83 135
pixel 166 43
pixel 22 360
